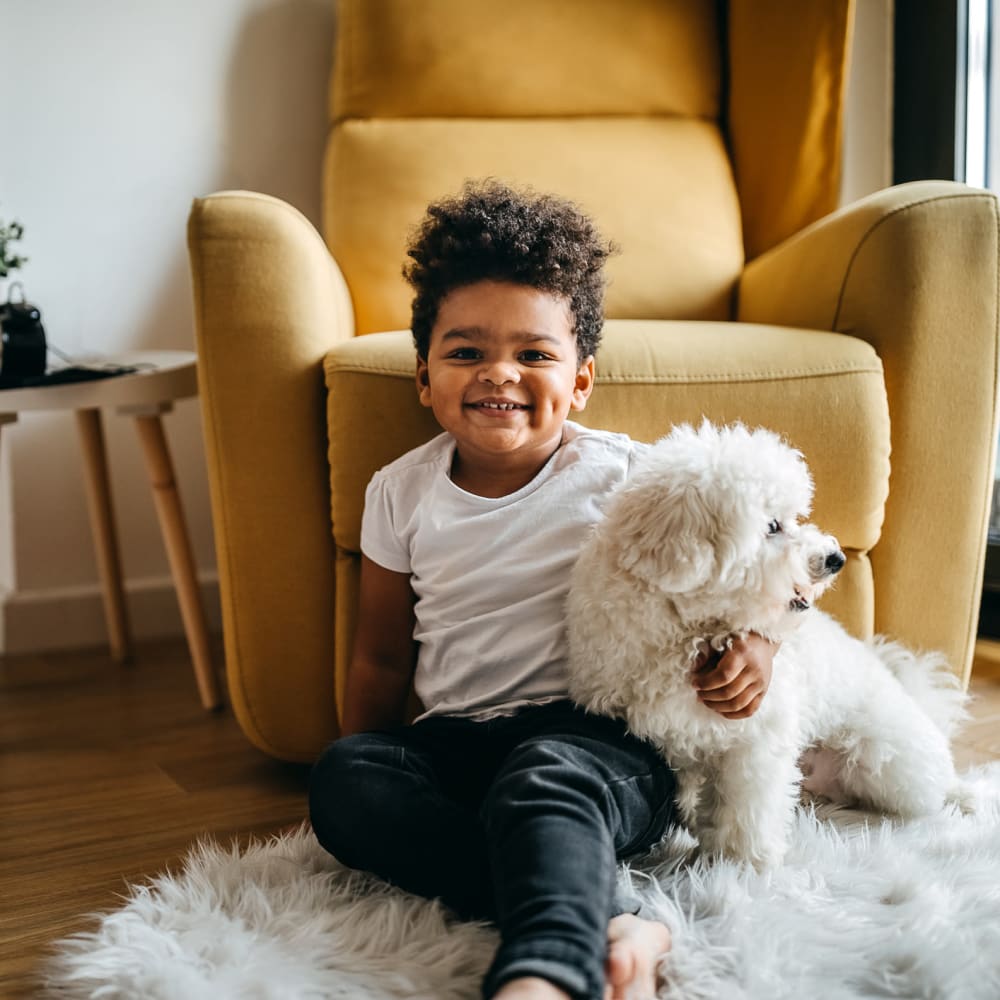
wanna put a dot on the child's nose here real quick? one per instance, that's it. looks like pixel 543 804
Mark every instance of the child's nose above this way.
pixel 499 373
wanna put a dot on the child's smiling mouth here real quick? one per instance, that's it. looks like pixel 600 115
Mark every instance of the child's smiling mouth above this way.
pixel 497 405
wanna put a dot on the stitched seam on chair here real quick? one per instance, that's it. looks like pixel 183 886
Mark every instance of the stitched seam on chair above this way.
pixel 280 205
pixel 605 377
pixel 870 231
pixel 335 368
pixel 764 376
pixel 568 117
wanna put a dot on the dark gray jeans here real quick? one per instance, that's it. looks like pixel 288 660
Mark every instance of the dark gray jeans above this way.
pixel 518 820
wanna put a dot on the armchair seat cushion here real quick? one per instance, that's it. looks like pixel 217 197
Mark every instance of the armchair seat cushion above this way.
pixel 824 392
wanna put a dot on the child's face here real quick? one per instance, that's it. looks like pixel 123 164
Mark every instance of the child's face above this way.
pixel 501 372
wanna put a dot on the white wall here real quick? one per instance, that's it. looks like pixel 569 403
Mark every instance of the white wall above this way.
pixel 868 120
pixel 115 114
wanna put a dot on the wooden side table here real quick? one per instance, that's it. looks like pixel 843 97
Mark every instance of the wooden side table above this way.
pixel 162 378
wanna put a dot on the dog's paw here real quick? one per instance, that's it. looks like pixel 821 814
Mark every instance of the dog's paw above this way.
pixel 734 845
pixel 969 797
pixel 760 862
pixel 766 857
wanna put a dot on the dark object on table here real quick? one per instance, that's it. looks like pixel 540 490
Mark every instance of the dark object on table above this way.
pixel 22 340
pixel 60 376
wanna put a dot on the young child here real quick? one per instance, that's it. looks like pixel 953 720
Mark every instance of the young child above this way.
pixel 503 799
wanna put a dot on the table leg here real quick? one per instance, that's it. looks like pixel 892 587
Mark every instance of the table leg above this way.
pixel 102 525
pixel 168 508
pixel 7 418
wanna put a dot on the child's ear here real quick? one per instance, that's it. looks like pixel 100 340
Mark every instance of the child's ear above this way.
pixel 423 382
pixel 584 385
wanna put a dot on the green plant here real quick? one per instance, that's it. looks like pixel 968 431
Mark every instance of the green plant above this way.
pixel 9 234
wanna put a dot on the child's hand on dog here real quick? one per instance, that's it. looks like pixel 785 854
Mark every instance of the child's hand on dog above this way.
pixel 733 682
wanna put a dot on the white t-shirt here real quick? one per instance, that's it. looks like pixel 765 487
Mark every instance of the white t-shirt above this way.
pixel 490 575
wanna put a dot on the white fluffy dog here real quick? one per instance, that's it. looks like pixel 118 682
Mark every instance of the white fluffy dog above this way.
pixel 705 541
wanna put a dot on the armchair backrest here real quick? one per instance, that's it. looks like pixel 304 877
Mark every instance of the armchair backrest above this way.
pixel 623 106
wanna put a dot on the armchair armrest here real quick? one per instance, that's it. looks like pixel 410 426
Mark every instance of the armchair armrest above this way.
pixel 269 303
pixel 913 271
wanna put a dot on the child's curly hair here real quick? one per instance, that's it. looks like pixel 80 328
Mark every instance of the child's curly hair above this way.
pixel 493 232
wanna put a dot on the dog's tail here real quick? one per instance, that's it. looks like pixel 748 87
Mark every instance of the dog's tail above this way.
pixel 929 680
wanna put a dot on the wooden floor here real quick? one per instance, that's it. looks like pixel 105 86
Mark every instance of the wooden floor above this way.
pixel 109 774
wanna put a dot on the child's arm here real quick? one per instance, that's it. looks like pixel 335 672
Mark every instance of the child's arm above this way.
pixel 734 682
pixel 384 654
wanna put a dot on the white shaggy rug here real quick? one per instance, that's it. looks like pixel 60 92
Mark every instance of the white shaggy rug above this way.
pixel 863 907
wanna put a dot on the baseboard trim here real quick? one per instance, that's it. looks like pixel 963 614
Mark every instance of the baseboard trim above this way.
pixel 36 621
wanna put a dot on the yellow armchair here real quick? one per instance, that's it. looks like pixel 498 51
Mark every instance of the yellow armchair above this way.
pixel 708 147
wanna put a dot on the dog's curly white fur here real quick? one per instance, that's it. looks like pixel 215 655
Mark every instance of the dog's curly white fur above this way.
pixel 706 540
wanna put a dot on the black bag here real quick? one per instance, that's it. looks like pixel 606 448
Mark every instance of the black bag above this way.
pixel 22 340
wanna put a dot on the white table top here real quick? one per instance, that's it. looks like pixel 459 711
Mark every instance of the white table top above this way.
pixel 163 376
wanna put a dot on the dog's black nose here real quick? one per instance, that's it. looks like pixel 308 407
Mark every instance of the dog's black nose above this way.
pixel 835 562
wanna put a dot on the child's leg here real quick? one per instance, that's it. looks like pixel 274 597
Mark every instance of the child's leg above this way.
pixel 377 804
pixel 573 795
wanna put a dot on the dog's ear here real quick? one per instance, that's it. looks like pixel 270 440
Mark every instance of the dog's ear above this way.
pixel 664 537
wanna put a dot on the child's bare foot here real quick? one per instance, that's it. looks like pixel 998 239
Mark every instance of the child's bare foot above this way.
pixel 529 988
pixel 634 948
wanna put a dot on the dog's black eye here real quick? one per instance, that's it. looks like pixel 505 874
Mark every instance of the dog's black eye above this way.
pixel 774 527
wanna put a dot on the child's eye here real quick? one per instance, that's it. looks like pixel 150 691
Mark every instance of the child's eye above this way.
pixel 535 356
pixel 465 354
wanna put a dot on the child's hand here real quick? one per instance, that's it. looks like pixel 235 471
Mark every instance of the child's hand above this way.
pixel 734 682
